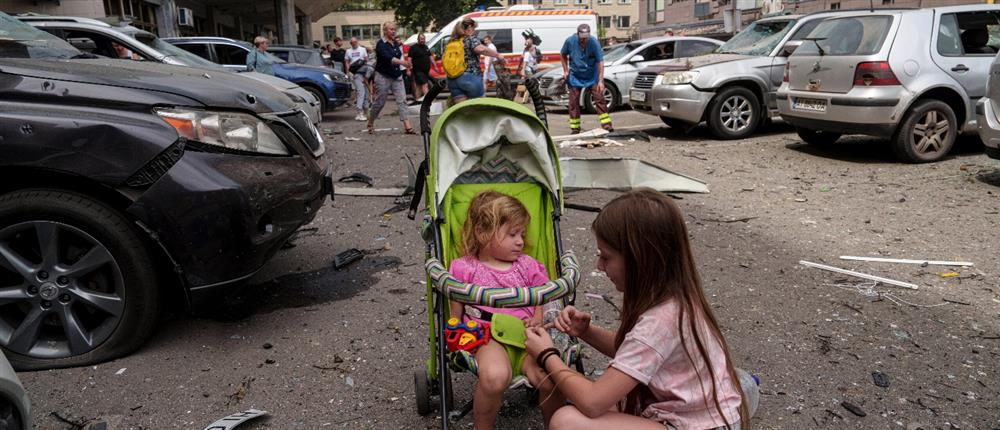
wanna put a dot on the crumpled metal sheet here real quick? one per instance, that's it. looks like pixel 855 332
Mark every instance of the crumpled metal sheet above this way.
pixel 232 421
pixel 625 174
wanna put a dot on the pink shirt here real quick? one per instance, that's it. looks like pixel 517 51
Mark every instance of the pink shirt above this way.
pixel 652 354
pixel 525 272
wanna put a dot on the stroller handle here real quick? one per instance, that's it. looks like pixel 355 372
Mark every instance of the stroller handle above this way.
pixel 506 297
pixel 425 106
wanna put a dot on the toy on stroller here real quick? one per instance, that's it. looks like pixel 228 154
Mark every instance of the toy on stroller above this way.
pixel 486 144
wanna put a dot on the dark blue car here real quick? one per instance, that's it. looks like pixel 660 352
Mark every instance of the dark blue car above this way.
pixel 329 86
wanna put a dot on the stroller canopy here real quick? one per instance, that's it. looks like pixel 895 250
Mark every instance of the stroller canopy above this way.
pixel 484 129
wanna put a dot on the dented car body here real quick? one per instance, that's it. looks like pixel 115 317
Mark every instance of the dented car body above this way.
pixel 122 185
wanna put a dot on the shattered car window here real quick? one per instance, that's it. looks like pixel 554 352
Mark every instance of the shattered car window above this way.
pixel 20 40
pixel 619 51
pixel 172 51
pixel 760 38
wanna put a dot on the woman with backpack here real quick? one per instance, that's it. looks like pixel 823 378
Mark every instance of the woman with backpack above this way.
pixel 461 62
pixel 389 66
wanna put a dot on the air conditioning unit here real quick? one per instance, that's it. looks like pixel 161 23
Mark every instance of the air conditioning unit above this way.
pixel 185 17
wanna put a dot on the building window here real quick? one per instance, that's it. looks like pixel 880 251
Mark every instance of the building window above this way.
pixel 624 21
pixel 835 6
pixel 624 1
pixel 360 5
pixel 329 32
pixel 888 1
pixel 362 32
pixel 654 11
pixel 559 2
pixel 581 2
pixel 604 21
pixel 604 1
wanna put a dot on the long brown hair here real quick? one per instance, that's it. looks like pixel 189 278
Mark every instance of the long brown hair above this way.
pixel 488 212
pixel 648 230
pixel 459 31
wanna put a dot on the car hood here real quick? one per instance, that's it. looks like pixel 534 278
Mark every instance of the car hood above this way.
pixel 271 80
pixel 696 62
pixel 212 89
pixel 294 66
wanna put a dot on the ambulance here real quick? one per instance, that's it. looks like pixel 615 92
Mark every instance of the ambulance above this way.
pixel 553 26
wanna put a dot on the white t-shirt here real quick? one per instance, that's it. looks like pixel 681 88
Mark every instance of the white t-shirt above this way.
pixel 354 54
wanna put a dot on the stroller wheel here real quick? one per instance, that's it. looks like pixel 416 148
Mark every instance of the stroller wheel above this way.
pixel 422 391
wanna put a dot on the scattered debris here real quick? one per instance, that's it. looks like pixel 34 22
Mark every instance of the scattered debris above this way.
pixel 352 139
pixel 957 302
pixel 868 290
pixel 580 207
pixel 606 299
pixel 699 156
pixel 241 391
pixel 120 371
pixel 232 421
pixel 597 132
pixel 825 189
pixel 631 135
pixel 906 261
pixel 880 379
pixel 948 274
pixel 859 275
pixel 589 143
pixel 373 192
pixel 357 177
pixel 269 361
pixel 76 425
pixel 349 381
pixel 727 221
pixel 624 174
pixel 267 346
pixel 347 257
pixel 801 200
pixel 399 206
pixel 852 408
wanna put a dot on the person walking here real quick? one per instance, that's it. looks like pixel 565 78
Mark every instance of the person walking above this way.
pixel 355 59
pixel 583 69
pixel 422 58
pixel 489 72
pixel 529 64
pixel 469 84
pixel 389 77
pixel 259 60
pixel 337 54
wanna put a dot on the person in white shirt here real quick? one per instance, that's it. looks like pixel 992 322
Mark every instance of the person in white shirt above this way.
pixel 355 58
pixel 489 72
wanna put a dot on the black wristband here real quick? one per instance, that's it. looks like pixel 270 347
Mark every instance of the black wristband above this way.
pixel 544 355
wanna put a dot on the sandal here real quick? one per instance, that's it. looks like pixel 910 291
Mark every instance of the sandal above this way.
pixel 409 131
pixel 371 128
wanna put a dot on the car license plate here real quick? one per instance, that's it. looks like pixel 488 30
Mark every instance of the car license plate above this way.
pixel 638 96
pixel 811 105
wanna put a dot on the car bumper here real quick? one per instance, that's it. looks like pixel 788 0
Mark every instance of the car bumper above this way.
pixel 220 217
pixel 682 102
pixel 312 107
pixel 988 126
pixel 338 94
pixel 872 111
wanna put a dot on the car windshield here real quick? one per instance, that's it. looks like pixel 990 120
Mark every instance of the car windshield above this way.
pixel 617 52
pixel 860 35
pixel 178 54
pixel 760 38
pixel 20 40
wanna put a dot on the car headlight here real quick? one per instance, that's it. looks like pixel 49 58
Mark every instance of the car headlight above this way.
pixel 295 97
pixel 337 78
pixel 678 78
pixel 231 130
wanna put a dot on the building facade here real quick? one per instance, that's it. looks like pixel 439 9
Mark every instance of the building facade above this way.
pixel 725 17
pixel 616 18
pixel 356 18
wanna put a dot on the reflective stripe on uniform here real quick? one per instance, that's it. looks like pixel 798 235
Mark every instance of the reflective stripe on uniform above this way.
pixel 605 118
pixel 574 122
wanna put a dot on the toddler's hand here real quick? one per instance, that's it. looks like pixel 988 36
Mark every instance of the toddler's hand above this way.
pixel 573 321
pixel 537 341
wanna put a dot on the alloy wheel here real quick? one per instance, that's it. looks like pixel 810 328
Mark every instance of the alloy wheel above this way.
pixel 736 113
pixel 931 132
pixel 61 290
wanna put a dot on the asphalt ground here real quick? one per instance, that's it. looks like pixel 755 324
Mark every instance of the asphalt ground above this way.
pixel 320 348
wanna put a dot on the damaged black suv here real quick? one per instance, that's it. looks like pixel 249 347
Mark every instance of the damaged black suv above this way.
pixel 125 185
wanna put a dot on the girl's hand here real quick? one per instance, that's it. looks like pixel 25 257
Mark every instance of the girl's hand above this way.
pixel 535 321
pixel 573 321
pixel 538 340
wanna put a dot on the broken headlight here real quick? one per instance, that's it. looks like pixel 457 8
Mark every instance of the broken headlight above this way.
pixel 678 78
pixel 230 130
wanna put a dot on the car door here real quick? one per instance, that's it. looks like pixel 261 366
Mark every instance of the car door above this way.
pixel 657 53
pixel 694 48
pixel 778 61
pixel 962 55
pixel 231 57
pixel 200 49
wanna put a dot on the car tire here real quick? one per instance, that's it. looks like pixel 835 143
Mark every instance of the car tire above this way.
pixel 927 133
pixel 611 96
pixel 674 123
pixel 319 96
pixel 10 416
pixel 734 113
pixel 817 137
pixel 93 271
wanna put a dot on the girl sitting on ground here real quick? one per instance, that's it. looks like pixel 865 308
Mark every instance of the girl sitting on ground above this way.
pixel 493 248
pixel 670 363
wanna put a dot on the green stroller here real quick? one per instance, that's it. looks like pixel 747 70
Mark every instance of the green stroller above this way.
pixel 486 144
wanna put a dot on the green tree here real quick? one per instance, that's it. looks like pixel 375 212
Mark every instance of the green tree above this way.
pixel 423 14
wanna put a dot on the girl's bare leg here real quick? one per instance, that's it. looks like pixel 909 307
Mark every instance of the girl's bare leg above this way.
pixel 494 378
pixel 569 417
pixel 549 398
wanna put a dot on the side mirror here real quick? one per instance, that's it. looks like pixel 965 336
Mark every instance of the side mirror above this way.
pixel 790 47
pixel 636 59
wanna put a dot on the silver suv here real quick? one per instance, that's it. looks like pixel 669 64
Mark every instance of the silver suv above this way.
pixel 909 75
pixel 988 112
pixel 732 89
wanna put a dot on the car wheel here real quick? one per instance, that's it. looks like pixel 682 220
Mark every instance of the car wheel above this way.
pixel 77 284
pixel 319 96
pixel 611 96
pixel 817 137
pixel 734 113
pixel 927 133
pixel 674 123
pixel 10 417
